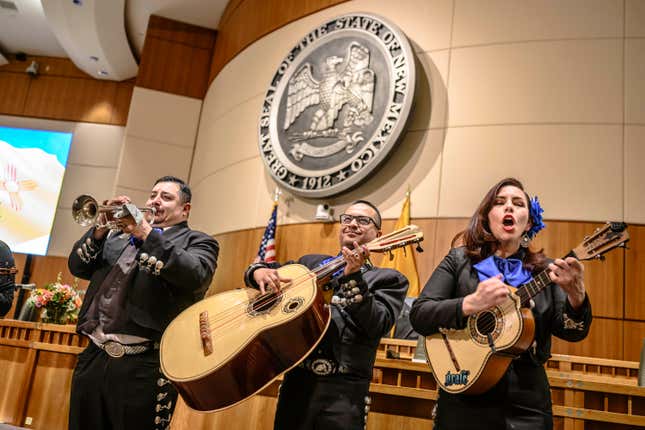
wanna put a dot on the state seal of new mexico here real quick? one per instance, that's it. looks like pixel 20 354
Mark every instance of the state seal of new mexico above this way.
pixel 337 105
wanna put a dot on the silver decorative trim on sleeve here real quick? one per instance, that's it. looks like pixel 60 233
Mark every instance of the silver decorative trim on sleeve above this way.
pixel 88 251
pixel 570 324
pixel 150 264
pixel 348 294
pixel 158 267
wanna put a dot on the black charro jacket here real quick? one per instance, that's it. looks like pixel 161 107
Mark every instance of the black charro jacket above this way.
pixel 440 306
pixel 7 281
pixel 189 260
pixel 355 331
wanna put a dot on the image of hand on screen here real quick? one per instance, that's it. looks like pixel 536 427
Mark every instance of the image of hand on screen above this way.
pixel 32 167
pixel 13 187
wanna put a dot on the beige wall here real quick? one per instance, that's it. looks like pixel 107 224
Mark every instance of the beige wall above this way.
pixel 159 140
pixel 549 92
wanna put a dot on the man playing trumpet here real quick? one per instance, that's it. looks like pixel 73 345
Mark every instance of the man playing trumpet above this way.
pixel 141 277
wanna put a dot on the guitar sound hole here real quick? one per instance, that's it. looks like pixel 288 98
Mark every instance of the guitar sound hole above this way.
pixel 485 323
pixel 264 303
pixel 292 304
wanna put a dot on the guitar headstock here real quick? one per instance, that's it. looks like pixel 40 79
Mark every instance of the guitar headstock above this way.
pixel 604 239
pixel 407 235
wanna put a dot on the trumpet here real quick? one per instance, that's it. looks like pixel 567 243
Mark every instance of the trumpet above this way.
pixel 86 211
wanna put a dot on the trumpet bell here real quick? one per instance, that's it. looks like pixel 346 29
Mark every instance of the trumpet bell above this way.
pixel 85 210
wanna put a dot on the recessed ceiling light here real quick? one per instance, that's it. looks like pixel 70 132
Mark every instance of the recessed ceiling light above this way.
pixel 103 73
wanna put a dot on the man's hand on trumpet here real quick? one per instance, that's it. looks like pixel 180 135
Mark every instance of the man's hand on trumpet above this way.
pixel 125 216
pixel 135 223
pixel 106 217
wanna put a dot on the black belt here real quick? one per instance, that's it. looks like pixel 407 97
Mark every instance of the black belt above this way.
pixel 117 350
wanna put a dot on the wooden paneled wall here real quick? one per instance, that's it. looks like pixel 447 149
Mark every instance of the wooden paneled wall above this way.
pixel 62 91
pixel 176 58
pixel 245 21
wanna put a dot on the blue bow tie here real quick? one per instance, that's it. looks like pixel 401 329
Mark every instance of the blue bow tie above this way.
pixel 138 242
pixel 514 272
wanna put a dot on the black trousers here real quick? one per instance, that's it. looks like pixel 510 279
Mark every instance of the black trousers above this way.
pixel 310 402
pixel 521 400
pixel 127 393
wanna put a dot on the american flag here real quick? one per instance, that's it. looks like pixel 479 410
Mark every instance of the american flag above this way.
pixel 266 252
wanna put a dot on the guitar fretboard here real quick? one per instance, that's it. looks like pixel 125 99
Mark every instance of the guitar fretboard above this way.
pixel 385 243
pixel 539 282
pixel 533 287
pixel 329 268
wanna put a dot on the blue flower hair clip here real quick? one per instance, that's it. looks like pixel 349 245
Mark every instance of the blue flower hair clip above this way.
pixel 536 211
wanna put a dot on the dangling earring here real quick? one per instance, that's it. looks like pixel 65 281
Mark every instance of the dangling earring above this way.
pixel 525 240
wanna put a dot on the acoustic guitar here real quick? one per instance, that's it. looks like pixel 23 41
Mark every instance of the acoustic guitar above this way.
pixel 472 360
pixel 231 345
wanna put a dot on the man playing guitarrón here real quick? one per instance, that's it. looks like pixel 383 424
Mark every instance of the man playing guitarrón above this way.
pixel 328 389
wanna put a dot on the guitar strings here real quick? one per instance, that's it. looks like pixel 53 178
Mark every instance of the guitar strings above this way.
pixel 260 300
pixel 331 267
pixel 229 316
pixel 328 268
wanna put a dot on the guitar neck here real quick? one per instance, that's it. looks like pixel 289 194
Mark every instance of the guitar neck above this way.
pixel 333 266
pixel 539 282
pixel 326 270
pixel 405 236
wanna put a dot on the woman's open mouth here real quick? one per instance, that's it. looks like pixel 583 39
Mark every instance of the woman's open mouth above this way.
pixel 508 222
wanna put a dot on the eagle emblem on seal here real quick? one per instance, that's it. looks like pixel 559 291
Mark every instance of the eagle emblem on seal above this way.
pixel 346 83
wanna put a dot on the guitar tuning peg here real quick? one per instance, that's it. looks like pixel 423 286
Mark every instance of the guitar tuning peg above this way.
pixel 601 257
pixel 391 255
pixel 419 249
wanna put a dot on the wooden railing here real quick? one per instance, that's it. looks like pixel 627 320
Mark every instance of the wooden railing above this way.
pixel 37 360
pixel 584 390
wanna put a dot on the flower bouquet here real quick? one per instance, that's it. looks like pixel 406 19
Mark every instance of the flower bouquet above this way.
pixel 60 302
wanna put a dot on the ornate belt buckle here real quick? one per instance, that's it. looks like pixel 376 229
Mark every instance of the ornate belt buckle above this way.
pixel 114 349
pixel 322 367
